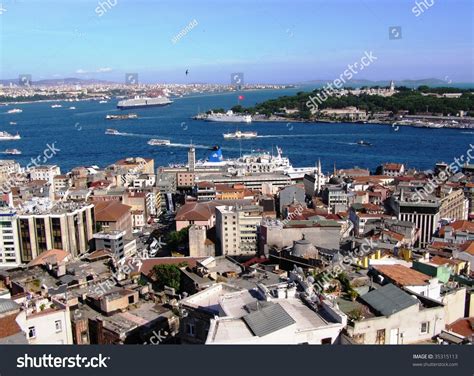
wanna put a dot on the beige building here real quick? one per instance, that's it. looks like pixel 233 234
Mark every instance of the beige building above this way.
pixel 237 229
pixel 66 225
pixel 454 205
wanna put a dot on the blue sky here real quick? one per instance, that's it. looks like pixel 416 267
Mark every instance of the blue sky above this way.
pixel 270 41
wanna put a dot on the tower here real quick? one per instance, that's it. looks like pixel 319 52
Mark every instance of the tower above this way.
pixel 392 86
pixel 191 158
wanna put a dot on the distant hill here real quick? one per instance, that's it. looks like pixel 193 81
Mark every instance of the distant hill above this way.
pixel 58 81
pixel 407 83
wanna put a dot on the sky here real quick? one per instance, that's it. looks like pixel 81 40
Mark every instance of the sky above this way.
pixel 276 41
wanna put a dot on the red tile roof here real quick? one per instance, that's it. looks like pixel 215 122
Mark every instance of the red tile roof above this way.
pixel 402 275
pixel 464 326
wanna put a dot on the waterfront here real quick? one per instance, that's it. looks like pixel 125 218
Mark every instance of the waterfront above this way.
pixel 80 135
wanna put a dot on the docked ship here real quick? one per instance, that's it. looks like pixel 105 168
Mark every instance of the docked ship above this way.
pixel 158 142
pixel 143 102
pixel 12 151
pixel 240 135
pixel 228 117
pixel 14 111
pixel 122 117
pixel 5 136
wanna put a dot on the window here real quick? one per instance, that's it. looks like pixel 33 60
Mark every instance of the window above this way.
pixel 31 332
pixel 190 330
pixel 131 299
pixel 380 339
pixel 58 326
pixel 425 327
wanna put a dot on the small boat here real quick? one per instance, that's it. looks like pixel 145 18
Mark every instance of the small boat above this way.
pixel 13 123
pixel 14 111
pixel 56 105
pixel 157 142
pixel 7 136
pixel 72 108
pixel 112 132
pixel 364 143
pixel 12 151
pixel 239 135
pixel 102 101
pixel 122 117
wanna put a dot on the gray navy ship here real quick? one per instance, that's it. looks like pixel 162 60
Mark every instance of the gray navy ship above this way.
pixel 142 102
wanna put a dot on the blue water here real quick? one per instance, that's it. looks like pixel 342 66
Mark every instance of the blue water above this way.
pixel 79 134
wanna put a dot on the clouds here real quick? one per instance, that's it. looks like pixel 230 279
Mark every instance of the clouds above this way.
pixel 98 70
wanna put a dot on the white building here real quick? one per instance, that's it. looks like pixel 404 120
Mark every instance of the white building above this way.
pixel 46 323
pixel 9 238
pixel 236 229
pixel 47 172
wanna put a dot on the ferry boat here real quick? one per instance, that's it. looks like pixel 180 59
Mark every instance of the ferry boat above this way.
pixel 228 117
pixel 5 136
pixel 12 151
pixel 158 142
pixel 112 132
pixel 122 117
pixel 240 135
pixel 56 105
pixel 14 111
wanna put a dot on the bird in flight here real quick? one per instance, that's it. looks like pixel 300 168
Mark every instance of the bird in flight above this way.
pixel 187 71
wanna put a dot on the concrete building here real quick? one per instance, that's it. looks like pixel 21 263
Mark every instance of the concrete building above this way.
pixel 47 173
pixel 199 244
pixel 46 322
pixel 393 169
pixel 63 225
pixel 113 216
pixel 335 197
pixel 280 234
pixel 116 242
pixel 237 229
pixel 424 213
pixel 454 204
pixel 223 314
pixel 389 315
pixel 9 238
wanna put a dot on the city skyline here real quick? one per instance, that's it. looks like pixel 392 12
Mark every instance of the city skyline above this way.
pixel 273 42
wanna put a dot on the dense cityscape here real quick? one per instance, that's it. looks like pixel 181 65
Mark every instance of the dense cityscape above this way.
pixel 182 179
pixel 204 251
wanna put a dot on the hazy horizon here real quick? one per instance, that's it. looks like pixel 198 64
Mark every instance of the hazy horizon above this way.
pixel 269 41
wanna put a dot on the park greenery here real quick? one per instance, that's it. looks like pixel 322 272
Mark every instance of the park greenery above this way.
pixel 424 99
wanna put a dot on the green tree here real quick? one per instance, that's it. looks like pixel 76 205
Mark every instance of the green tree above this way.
pixel 166 275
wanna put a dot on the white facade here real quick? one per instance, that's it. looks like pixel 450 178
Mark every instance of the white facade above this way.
pixel 9 239
pixel 44 325
pixel 45 173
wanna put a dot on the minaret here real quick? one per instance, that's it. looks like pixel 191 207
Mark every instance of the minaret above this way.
pixel 318 183
pixel 392 86
pixel 191 158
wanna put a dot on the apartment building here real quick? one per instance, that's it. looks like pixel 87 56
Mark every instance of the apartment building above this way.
pixel 237 229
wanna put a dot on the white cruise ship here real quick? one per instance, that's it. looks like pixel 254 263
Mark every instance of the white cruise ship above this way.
pixel 228 117
pixel 143 102
pixel 5 136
